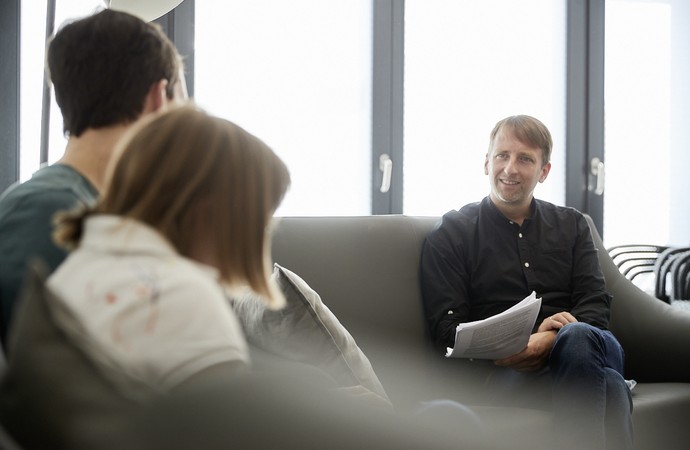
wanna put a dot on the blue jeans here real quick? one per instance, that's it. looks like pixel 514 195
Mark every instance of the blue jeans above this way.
pixel 592 404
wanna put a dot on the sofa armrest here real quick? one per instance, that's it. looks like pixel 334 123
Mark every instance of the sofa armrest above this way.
pixel 654 335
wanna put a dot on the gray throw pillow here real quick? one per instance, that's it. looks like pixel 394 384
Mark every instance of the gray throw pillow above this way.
pixel 306 331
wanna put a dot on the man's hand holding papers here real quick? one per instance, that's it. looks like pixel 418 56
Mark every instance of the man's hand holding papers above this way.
pixel 498 336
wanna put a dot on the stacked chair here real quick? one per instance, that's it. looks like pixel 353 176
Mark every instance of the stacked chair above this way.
pixel 662 271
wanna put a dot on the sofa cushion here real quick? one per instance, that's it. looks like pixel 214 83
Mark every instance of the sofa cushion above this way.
pixel 305 330
pixel 660 415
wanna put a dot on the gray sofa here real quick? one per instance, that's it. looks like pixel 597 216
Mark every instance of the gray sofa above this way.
pixel 366 271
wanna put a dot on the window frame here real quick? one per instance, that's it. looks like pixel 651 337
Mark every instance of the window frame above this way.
pixel 10 24
pixel 584 105
pixel 584 113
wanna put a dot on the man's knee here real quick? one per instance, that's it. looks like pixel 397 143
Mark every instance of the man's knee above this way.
pixel 577 332
pixel 576 341
pixel 581 340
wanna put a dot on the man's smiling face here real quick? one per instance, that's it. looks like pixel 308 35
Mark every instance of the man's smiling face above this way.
pixel 514 170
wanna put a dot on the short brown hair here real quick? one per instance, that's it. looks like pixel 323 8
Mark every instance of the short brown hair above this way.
pixel 529 131
pixel 102 67
pixel 178 159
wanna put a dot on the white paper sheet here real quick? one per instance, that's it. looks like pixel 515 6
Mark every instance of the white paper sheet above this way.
pixel 498 336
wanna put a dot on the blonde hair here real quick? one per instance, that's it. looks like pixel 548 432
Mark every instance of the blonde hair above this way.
pixel 183 158
pixel 529 131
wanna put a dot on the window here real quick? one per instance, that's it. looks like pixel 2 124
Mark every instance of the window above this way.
pixel 298 75
pixel 468 65
pixel 647 137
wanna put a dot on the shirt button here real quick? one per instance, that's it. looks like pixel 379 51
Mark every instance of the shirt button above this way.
pixel 520 234
pixel 526 264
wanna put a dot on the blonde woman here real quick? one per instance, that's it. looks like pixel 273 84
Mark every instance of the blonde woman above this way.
pixel 183 219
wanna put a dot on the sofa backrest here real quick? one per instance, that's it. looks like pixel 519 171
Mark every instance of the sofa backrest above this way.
pixel 365 268
pixel 366 271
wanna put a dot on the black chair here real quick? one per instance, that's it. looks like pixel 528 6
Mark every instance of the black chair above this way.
pixel 663 270
pixel 686 287
pixel 636 259
pixel 680 273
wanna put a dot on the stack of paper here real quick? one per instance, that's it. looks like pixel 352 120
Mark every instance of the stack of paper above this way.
pixel 498 336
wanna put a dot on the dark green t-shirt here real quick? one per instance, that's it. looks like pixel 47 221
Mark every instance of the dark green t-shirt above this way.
pixel 26 224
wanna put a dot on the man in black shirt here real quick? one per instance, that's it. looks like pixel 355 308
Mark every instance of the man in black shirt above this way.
pixel 487 256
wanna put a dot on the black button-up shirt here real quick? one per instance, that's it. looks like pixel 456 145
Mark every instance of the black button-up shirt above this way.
pixel 477 263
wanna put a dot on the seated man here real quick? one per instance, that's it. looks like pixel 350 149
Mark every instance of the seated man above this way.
pixel 487 256
pixel 102 88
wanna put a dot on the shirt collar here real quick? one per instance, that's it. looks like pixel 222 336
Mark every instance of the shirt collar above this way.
pixel 115 234
pixel 497 216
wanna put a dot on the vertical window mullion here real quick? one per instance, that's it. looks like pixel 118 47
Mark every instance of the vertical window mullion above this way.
pixel 178 24
pixel 584 104
pixel 10 19
pixel 387 103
